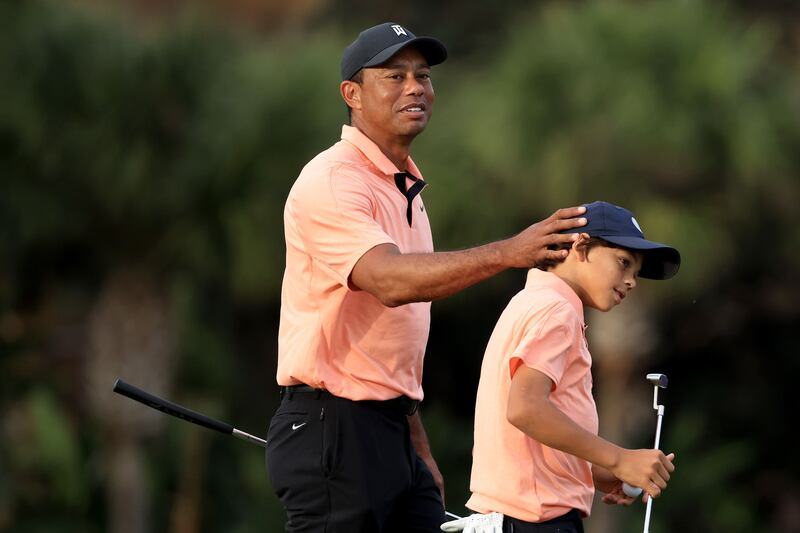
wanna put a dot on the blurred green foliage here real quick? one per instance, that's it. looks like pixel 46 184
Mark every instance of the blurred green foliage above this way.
pixel 174 148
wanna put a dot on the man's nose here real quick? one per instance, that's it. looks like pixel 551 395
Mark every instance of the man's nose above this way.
pixel 413 85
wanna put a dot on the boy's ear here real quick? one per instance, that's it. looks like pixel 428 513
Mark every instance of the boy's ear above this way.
pixel 579 246
pixel 351 93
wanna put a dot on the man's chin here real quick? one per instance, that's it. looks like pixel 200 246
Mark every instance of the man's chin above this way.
pixel 413 129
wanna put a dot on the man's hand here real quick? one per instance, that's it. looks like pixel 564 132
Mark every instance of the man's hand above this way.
pixel 438 479
pixel 476 523
pixel 539 243
pixel 419 439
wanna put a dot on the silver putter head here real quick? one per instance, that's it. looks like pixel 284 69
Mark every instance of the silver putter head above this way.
pixel 659 380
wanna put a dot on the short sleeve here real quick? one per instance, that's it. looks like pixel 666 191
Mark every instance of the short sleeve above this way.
pixel 546 342
pixel 335 221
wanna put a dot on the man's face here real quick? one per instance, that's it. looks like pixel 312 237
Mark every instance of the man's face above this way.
pixel 608 275
pixel 396 98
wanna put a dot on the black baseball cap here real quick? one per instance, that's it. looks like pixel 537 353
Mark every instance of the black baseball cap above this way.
pixel 377 44
pixel 618 226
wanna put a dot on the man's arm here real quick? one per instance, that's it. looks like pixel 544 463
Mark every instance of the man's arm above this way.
pixel 530 410
pixel 396 278
pixel 419 439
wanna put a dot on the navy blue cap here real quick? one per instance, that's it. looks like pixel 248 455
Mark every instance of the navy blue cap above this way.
pixel 374 46
pixel 618 226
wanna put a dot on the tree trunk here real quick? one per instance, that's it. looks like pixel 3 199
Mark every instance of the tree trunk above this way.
pixel 186 514
pixel 131 336
pixel 619 340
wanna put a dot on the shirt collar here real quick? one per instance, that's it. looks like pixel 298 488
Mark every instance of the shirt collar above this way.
pixel 366 146
pixel 541 278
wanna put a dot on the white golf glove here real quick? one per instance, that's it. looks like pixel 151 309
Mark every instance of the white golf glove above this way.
pixel 476 523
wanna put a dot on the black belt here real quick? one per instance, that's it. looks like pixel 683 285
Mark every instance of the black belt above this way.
pixel 402 404
pixel 293 389
pixel 573 517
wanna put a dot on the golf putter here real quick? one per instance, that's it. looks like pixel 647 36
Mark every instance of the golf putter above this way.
pixel 659 381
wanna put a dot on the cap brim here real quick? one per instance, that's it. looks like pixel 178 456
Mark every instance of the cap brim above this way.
pixel 433 50
pixel 659 261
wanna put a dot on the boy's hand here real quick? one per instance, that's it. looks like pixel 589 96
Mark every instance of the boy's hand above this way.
pixel 476 523
pixel 617 496
pixel 648 469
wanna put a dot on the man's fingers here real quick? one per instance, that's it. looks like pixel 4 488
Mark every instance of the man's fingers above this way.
pixel 555 255
pixel 563 239
pixel 569 212
pixel 566 223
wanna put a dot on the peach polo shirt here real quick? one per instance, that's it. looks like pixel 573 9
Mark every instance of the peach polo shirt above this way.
pixel 331 336
pixel 542 327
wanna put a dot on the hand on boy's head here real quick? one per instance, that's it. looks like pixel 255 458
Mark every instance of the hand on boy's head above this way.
pixel 542 241
pixel 581 239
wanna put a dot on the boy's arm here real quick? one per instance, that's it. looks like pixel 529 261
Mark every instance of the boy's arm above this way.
pixel 604 480
pixel 532 412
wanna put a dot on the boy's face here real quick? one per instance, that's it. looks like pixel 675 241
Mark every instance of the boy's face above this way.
pixel 607 275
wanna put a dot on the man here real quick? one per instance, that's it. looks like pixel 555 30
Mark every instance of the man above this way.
pixel 346 450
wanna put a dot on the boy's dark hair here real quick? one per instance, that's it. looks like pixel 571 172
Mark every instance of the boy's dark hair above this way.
pixel 591 243
pixel 358 77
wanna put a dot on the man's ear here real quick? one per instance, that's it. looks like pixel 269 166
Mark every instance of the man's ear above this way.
pixel 351 93
pixel 579 246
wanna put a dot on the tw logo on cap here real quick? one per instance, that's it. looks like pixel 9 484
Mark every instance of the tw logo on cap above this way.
pixel 398 29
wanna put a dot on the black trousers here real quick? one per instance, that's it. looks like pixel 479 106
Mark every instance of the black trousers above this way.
pixel 340 466
pixel 570 522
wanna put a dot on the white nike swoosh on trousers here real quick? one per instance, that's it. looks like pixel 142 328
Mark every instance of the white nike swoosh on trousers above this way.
pixel 298 426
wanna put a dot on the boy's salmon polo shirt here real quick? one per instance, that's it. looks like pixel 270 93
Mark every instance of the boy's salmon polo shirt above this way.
pixel 543 328
pixel 333 336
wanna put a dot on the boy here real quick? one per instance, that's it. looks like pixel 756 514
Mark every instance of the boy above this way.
pixel 537 456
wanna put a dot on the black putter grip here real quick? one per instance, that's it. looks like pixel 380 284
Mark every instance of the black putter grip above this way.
pixel 165 406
